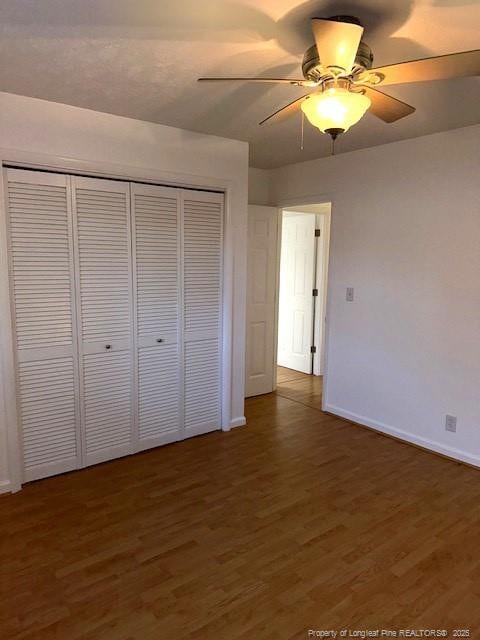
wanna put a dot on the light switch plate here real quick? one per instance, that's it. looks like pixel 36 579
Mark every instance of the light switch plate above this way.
pixel 451 423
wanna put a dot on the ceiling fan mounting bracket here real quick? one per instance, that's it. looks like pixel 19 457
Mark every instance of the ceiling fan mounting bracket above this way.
pixel 313 70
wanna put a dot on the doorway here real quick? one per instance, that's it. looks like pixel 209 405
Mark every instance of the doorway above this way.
pixel 287 268
pixel 302 288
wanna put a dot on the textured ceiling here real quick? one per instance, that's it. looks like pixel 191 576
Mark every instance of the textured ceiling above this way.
pixel 141 58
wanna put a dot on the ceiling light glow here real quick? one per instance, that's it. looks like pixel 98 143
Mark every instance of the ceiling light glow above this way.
pixel 336 108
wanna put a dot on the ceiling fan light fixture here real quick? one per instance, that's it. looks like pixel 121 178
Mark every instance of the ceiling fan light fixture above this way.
pixel 335 108
pixel 337 39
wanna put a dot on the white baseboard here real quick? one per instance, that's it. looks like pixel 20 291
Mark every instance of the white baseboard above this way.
pixel 5 486
pixel 406 436
pixel 238 422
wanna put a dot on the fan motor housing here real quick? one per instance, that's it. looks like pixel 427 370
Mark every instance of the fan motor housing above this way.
pixel 312 66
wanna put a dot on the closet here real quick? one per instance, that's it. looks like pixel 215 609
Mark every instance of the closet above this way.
pixel 117 307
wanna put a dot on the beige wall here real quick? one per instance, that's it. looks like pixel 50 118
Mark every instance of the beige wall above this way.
pixel 31 128
pixel 406 236
pixel 259 191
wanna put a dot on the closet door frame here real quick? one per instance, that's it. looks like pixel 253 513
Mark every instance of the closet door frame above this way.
pixel 29 160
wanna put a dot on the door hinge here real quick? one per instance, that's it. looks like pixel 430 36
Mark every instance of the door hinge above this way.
pixel 313 349
pixel 317 233
pixel 315 293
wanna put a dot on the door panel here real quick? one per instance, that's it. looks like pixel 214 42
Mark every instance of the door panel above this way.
pixel 202 270
pixel 202 387
pixel 156 217
pixel 297 271
pixel 49 417
pixel 108 405
pixel 103 250
pixel 202 249
pixel 157 258
pixel 159 410
pixel 104 294
pixel 261 297
pixel 40 238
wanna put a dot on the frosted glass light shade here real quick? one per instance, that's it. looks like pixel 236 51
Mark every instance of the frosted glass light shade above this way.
pixel 335 108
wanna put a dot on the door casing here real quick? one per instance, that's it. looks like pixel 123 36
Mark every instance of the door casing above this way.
pixel 322 307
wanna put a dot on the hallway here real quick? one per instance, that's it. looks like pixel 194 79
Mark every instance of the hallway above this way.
pixel 300 387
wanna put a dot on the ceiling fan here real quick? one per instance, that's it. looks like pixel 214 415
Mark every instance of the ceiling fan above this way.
pixel 338 71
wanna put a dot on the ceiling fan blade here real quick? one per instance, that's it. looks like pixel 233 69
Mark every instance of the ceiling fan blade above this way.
pixel 337 43
pixel 293 81
pixel 385 107
pixel 453 65
pixel 285 112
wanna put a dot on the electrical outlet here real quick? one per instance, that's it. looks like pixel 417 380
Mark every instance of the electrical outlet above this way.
pixel 451 423
pixel 350 294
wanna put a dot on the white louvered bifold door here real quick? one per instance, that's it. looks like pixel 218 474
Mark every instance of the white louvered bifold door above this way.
pixel 202 249
pixel 104 299
pixel 156 244
pixel 41 275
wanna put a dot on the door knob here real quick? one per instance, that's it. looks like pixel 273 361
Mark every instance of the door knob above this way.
pixel 159 339
pixel 108 346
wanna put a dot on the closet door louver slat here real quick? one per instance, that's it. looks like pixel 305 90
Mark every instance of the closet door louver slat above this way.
pixel 41 272
pixel 157 263
pixel 202 386
pixel 108 406
pixel 48 415
pixel 158 395
pixel 40 262
pixel 104 292
pixel 104 268
pixel 203 214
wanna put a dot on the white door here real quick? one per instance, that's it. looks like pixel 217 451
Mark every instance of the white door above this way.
pixel 297 271
pixel 261 297
pixel 156 228
pixel 117 300
pixel 104 299
pixel 40 235
pixel 202 285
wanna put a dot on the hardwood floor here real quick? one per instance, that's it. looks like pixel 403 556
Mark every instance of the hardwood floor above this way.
pixel 298 521
pixel 299 386
pixel 290 375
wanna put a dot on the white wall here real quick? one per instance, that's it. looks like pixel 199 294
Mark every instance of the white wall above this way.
pixel 259 186
pixel 36 130
pixel 406 236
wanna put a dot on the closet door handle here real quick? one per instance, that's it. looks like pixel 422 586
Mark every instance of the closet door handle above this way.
pixel 160 340
pixel 108 346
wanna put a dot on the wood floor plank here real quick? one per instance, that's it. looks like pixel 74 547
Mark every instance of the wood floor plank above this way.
pixel 301 387
pixel 299 520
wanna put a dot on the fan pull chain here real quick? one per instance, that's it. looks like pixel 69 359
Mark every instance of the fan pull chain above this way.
pixel 303 128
